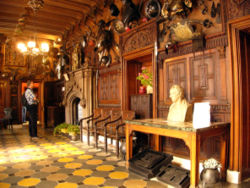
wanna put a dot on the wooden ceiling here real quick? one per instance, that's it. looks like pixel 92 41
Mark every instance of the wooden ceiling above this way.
pixel 50 22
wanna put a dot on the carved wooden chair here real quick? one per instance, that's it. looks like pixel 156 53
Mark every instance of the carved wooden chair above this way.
pixel 99 124
pixel 87 123
pixel 116 118
pixel 116 129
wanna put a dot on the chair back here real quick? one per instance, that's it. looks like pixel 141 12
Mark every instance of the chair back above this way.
pixel 97 112
pixel 106 112
pixel 116 113
pixel 128 115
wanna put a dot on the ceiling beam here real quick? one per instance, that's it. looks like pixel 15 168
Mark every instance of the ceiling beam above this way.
pixel 47 8
pixel 40 35
pixel 66 19
pixel 91 2
pixel 70 5
pixel 35 25
pixel 52 17
pixel 32 29
pixel 38 20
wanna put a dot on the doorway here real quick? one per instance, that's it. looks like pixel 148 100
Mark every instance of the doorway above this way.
pixel 239 41
pixel 37 92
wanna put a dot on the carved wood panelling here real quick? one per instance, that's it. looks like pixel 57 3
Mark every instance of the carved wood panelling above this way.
pixel 138 38
pixel 237 8
pixel 109 87
pixel 174 73
pixel 186 48
pixel 203 77
pixel 12 56
pixel 141 104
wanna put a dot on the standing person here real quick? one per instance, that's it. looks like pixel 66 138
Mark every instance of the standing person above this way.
pixel 24 109
pixel 32 109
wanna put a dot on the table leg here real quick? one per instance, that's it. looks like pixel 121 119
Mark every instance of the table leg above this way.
pixel 129 144
pixel 157 143
pixel 195 158
pixel 223 155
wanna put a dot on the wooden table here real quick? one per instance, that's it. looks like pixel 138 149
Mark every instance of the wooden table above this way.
pixel 193 138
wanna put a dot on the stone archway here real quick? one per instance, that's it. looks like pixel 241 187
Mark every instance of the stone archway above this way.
pixel 74 102
pixel 79 91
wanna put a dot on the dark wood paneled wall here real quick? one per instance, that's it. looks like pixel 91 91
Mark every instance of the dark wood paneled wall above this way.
pixel 109 86
pixel 204 78
pixel 3 97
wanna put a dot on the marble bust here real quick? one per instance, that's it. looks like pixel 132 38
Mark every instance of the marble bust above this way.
pixel 180 110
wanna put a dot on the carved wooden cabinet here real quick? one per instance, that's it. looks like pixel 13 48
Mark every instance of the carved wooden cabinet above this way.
pixel 142 105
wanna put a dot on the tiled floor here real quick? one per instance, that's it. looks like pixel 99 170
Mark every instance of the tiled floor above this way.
pixel 57 162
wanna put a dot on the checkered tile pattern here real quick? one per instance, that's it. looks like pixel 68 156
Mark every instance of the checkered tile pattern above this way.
pixel 54 161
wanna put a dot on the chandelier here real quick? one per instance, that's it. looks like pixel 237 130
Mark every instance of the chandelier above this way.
pixel 32 49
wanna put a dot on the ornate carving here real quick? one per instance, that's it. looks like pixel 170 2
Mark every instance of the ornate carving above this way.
pixel 139 38
pixel 221 108
pixel 112 68
pixel 12 56
pixel 202 72
pixel 67 92
pixel 239 2
pixel 211 43
pixel 237 8
pixel 109 87
pixel 222 51
pixel 203 76
pixel 174 73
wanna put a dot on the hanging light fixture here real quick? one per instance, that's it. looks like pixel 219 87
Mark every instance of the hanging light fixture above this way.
pixel 32 49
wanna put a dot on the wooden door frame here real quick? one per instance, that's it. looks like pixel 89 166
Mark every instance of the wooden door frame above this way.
pixel 236 141
pixel 125 60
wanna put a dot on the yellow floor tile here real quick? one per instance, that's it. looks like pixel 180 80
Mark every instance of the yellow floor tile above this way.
pixel 29 182
pixel 118 175
pixel 94 181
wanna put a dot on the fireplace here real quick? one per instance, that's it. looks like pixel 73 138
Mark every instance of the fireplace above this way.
pixel 77 111
pixel 79 98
